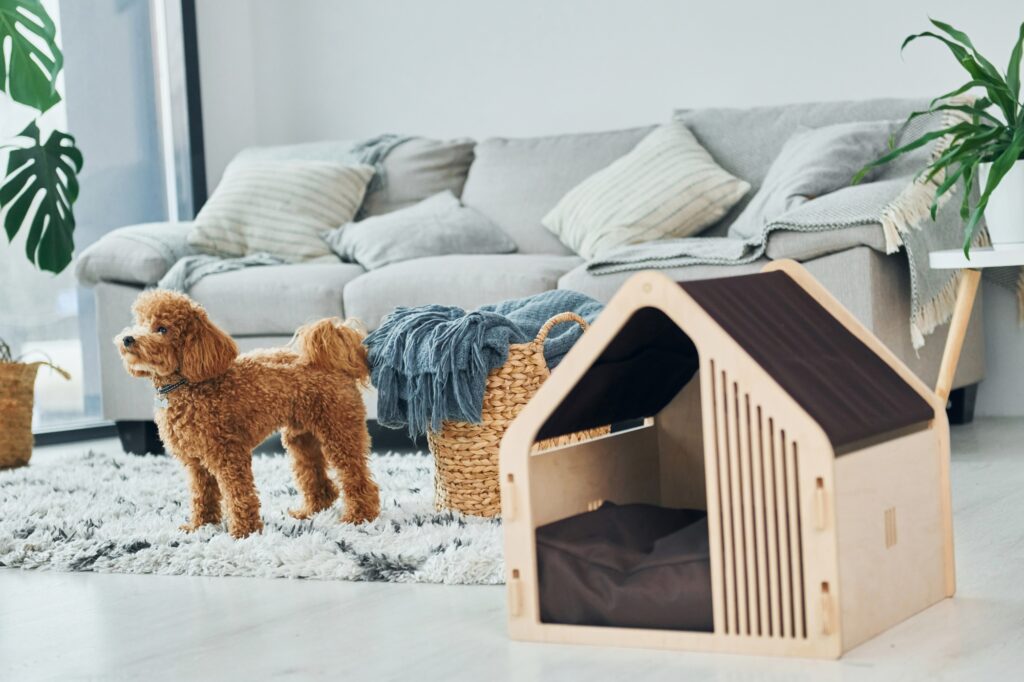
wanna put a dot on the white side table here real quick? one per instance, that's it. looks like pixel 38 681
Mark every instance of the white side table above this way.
pixel 954 260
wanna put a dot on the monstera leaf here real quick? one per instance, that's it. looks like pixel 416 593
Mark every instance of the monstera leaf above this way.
pixel 29 75
pixel 40 186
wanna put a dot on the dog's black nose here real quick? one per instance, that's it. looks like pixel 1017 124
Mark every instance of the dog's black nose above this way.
pixel 128 341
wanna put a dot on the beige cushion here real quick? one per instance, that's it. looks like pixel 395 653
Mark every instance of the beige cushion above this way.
pixel 437 226
pixel 668 186
pixel 279 207
pixel 465 281
pixel 516 181
pixel 275 299
pixel 414 170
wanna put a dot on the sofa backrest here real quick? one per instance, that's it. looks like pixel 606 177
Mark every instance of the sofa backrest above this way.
pixel 746 141
pixel 418 169
pixel 516 181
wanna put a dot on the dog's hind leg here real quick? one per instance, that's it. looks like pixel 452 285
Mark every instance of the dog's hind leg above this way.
pixel 348 451
pixel 310 468
pixel 205 495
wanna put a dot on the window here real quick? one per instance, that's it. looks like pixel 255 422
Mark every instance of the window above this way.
pixel 110 105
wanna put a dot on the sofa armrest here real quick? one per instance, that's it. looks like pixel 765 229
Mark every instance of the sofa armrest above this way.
pixel 139 254
pixel 805 246
pixel 855 207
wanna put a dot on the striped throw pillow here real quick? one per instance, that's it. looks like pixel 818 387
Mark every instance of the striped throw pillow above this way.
pixel 667 186
pixel 279 207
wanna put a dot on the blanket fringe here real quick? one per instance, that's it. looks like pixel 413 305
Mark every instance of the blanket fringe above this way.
pixel 910 208
pixel 935 312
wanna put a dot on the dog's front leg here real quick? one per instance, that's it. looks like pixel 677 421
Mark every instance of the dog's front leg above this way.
pixel 205 495
pixel 234 476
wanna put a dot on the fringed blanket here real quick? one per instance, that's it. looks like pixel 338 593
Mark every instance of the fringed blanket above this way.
pixel 899 200
pixel 430 363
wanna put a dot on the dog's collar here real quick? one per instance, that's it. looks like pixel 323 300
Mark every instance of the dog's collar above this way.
pixel 170 388
pixel 160 399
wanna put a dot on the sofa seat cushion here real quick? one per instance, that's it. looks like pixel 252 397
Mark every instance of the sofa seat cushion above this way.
pixel 515 182
pixel 603 287
pixel 275 299
pixel 464 281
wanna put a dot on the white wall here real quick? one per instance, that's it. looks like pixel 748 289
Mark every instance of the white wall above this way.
pixel 277 72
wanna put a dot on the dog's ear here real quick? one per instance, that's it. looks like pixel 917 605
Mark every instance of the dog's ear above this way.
pixel 206 351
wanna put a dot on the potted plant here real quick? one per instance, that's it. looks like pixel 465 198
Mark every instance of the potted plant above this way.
pixel 37 190
pixel 984 147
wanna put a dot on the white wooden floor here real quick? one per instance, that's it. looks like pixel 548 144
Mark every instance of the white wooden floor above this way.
pixel 114 627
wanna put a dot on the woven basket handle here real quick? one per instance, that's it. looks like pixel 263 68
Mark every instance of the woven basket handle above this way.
pixel 542 335
pixel 59 370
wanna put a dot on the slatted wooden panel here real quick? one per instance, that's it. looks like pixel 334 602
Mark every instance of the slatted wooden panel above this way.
pixel 759 524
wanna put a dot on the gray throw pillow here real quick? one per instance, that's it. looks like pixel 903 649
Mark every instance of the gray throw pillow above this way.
pixel 436 226
pixel 813 162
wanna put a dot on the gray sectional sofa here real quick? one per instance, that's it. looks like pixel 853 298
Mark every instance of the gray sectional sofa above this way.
pixel 514 182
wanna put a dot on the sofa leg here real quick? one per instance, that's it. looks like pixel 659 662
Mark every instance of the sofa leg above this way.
pixel 960 408
pixel 140 438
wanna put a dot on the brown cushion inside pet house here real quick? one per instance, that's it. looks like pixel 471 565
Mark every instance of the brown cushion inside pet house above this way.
pixel 812 465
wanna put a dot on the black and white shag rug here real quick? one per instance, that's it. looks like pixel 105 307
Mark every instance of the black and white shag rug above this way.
pixel 120 513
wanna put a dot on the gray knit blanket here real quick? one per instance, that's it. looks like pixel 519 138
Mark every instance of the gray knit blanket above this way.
pixel 188 270
pixel 430 363
pixel 898 200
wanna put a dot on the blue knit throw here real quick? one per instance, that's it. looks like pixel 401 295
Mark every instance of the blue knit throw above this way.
pixel 430 363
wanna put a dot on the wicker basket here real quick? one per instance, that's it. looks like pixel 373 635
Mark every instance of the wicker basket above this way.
pixel 17 384
pixel 466 454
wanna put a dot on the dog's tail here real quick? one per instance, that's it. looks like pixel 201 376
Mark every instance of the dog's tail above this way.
pixel 335 345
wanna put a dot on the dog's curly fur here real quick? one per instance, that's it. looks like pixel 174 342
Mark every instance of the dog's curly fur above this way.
pixel 230 403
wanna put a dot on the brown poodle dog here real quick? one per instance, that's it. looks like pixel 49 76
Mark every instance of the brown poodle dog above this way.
pixel 214 406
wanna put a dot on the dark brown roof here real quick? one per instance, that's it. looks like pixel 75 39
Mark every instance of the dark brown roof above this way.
pixel 842 384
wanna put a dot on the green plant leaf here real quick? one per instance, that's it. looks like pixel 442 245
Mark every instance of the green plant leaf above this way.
pixel 997 89
pixel 1000 167
pixel 30 75
pixel 910 146
pixel 964 40
pixel 1013 68
pixel 967 145
pixel 947 184
pixel 973 83
pixel 965 201
pixel 975 111
pixel 40 186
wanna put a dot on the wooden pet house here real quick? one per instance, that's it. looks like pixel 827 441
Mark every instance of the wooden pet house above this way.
pixel 776 480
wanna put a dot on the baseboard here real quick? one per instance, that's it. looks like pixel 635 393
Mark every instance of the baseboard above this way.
pixel 61 436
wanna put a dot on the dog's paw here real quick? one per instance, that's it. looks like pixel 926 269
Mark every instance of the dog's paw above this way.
pixel 190 527
pixel 301 514
pixel 357 516
pixel 243 531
